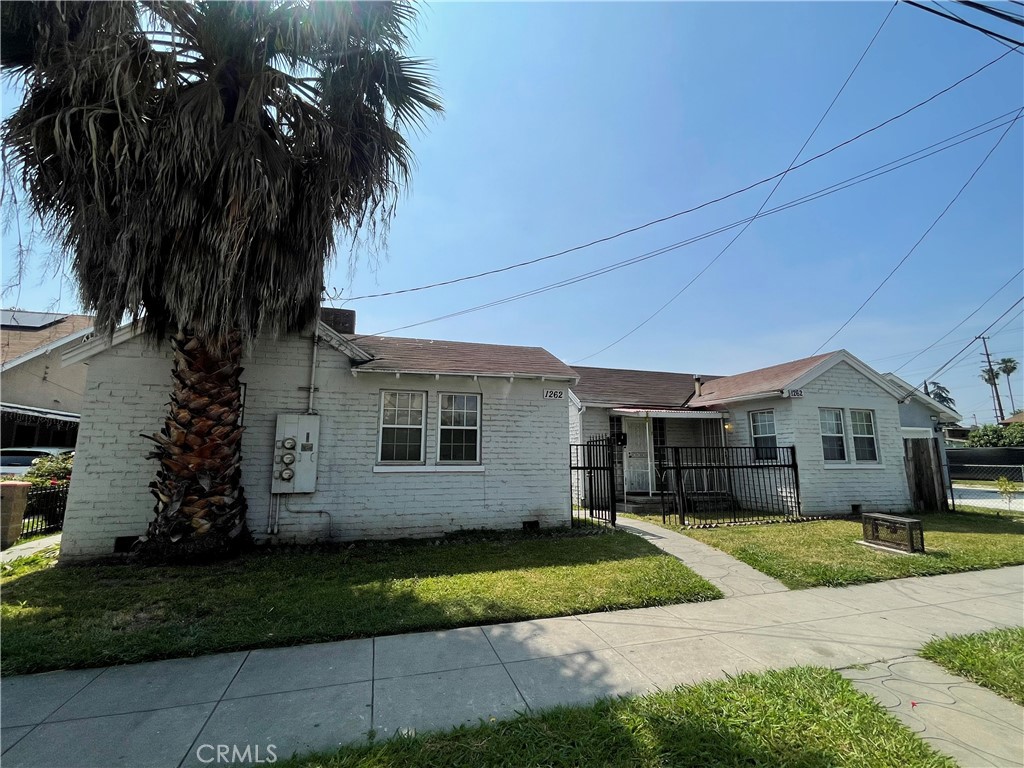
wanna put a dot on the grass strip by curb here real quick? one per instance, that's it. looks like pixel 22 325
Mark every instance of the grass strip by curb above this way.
pixel 800 718
pixel 993 659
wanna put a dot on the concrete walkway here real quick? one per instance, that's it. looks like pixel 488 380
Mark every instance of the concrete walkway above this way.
pixel 733 577
pixel 971 724
pixel 28 548
pixel 175 713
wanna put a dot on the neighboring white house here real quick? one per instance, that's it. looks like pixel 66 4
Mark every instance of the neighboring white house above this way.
pixel 41 399
pixel 407 437
pixel 842 417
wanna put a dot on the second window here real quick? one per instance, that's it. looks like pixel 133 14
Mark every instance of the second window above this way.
pixel 459 429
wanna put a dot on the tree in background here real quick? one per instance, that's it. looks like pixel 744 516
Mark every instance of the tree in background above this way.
pixel 195 161
pixel 1008 366
pixel 940 394
pixel 997 436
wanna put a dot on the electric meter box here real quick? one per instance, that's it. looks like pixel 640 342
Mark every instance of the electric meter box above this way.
pixel 296 448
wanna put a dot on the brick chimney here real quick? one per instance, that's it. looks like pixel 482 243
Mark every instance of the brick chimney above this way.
pixel 340 320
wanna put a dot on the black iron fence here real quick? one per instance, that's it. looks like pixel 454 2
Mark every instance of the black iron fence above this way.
pixel 592 481
pixel 44 512
pixel 719 485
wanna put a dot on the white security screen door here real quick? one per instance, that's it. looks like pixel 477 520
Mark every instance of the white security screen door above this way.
pixel 637 455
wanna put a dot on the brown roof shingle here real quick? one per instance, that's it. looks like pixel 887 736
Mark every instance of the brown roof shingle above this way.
pixel 770 379
pixel 15 343
pixel 435 356
pixel 626 387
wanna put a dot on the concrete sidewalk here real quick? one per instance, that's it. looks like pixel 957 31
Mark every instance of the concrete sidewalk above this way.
pixel 29 548
pixel 319 696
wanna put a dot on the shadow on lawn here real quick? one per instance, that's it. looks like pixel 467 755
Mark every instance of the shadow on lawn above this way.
pixel 75 617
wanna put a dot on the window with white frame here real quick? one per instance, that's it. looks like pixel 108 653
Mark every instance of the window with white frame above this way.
pixel 833 439
pixel 862 425
pixel 459 429
pixel 402 419
pixel 762 430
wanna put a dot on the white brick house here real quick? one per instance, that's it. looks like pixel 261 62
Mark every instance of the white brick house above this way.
pixel 842 417
pixel 416 438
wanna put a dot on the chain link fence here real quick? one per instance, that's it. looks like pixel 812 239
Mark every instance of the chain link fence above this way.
pixel 999 487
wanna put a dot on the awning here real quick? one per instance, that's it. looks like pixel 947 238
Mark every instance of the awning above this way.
pixel 671 413
pixel 39 413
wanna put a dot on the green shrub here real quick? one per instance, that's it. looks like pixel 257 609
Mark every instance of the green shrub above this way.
pixel 48 468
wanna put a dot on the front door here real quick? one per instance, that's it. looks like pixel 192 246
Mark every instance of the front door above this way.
pixel 637 456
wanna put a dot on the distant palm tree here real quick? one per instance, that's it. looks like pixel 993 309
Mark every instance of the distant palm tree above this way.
pixel 1008 366
pixel 991 377
pixel 940 394
pixel 195 161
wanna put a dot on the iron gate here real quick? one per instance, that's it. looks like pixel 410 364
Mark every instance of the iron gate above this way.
pixel 592 480
pixel 719 485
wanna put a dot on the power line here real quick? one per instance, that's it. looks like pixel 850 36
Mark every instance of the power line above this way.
pixel 838 187
pixel 739 234
pixel 677 214
pixel 964 22
pixel 938 371
pixel 957 15
pixel 1010 16
pixel 951 330
pixel 921 239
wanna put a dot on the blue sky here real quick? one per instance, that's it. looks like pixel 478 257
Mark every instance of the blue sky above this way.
pixel 570 121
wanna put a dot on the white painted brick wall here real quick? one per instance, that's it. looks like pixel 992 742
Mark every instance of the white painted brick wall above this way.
pixel 829 488
pixel 524 450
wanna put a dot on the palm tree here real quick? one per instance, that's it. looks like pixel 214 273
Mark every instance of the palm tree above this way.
pixel 195 161
pixel 940 394
pixel 991 377
pixel 1008 366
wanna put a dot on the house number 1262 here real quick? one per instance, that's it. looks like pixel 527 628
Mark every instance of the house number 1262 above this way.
pixel 554 394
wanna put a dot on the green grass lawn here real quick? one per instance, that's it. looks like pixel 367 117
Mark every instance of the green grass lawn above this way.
pixel 800 718
pixel 55 618
pixel 992 659
pixel 825 553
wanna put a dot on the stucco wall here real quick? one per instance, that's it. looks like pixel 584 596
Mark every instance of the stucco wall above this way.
pixel 43 383
pixel 524 448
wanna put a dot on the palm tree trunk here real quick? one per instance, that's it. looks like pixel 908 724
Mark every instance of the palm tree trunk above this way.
pixel 1009 388
pixel 200 504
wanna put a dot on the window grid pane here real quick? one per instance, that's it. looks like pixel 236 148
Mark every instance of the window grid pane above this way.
pixel 832 443
pixel 401 436
pixel 864 446
pixel 459 428
pixel 762 429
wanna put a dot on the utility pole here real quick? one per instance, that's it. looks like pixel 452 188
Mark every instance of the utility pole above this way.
pixel 997 401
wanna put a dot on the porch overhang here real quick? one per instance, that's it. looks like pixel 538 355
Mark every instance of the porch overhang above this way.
pixel 661 413
pixel 28 414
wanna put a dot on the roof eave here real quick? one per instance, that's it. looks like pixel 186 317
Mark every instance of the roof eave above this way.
pixel 45 349
pixel 469 374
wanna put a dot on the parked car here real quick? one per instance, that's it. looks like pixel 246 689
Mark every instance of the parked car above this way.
pixel 18 461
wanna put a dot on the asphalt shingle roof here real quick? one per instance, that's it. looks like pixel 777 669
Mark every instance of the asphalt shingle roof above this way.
pixel 770 379
pixel 626 387
pixel 436 356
